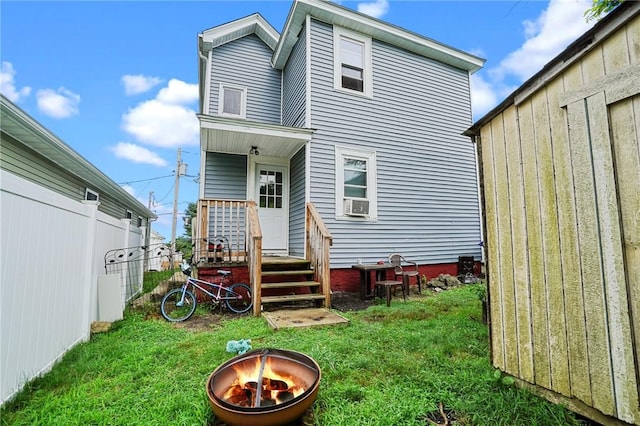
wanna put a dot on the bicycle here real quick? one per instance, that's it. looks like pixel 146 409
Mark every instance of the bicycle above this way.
pixel 180 303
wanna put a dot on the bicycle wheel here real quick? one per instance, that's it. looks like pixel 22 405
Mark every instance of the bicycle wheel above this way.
pixel 239 298
pixel 171 308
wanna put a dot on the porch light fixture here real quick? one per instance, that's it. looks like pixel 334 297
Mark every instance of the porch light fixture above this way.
pixel 254 150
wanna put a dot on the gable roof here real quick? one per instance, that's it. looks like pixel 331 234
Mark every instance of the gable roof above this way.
pixel 334 14
pixel 234 30
pixel 23 128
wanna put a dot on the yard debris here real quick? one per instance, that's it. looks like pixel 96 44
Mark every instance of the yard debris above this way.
pixel 444 281
pixel 239 347
pixel 100 327
pixel 442 416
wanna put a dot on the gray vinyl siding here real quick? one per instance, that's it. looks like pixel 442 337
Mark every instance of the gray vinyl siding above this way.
pixel 426 178
pixel 297 207
pixel 23 161
pixel 294 81
pixel 246 62
pixel 225 176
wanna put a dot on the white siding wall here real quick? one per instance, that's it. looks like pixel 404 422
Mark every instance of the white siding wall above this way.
pixel 52 253
pixel 426 176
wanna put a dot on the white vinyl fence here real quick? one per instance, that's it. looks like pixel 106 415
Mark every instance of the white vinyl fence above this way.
pixel 52 253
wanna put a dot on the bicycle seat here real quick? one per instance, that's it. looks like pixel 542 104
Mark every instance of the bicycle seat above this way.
pixel 224 273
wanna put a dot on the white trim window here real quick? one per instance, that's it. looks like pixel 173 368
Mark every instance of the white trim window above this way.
pixel 232 101
pixel 91 195
pixel 352 62
pixel 356 192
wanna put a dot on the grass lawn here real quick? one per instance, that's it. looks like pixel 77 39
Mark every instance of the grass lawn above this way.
pixel 389 366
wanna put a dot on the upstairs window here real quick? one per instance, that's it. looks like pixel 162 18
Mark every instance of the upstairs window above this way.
pixel 352 62
pixel 232 101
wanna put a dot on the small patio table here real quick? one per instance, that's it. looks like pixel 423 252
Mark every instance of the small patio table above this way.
pixel 366 290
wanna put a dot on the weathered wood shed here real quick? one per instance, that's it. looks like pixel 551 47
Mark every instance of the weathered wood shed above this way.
pixel 560 177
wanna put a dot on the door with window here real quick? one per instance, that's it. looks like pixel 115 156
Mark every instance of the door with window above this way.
pixel 272 198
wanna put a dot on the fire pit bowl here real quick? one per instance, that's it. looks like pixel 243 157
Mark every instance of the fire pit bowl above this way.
pixel 290 382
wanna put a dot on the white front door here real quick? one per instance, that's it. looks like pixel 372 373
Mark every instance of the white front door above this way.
pixel 272 197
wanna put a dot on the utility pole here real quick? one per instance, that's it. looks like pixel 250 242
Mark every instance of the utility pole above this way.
pixel 181 170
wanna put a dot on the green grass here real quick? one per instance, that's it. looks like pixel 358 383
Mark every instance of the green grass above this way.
pixel 153 278
pixel 389 366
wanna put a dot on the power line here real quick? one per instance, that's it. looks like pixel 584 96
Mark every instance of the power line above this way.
pixel 144 180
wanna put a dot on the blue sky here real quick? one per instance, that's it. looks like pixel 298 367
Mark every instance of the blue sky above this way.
pixel 117 81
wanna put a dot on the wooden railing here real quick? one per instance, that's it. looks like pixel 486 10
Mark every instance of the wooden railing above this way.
pixel 254 264
pixel 318 243
pixel 236 223
pixel 220 231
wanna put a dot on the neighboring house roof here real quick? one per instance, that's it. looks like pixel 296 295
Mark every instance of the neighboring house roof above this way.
pixel 155 235
pixel 585 43
pixel 22 127
pixel 334 14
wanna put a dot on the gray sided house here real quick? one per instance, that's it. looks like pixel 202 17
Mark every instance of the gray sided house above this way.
pixel 359 120
pixel 60 216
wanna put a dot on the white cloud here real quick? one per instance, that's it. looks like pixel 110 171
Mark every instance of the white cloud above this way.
pixel 178 92
pixel 129 189
pixel 7 84
pixel 559 25
pixel 545 37
pixel 160 124
pixel 137 154
pixel 135 84
pixel 483 96
pixel 60 104
pixel 376 9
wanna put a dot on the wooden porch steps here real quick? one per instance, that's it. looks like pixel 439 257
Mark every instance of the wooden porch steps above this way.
pixel 292 298
pixel 291 284
pixel 292 272
pixel 288 280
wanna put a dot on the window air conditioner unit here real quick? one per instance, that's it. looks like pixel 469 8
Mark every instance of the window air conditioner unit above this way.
pixel 353 207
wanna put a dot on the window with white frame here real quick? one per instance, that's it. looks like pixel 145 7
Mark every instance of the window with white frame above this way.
pixel 356 194
pixel 91 195
pixel 352 62
pixel 232 101
pixel 128 214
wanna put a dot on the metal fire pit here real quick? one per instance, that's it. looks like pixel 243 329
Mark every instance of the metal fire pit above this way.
pixel 294 364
